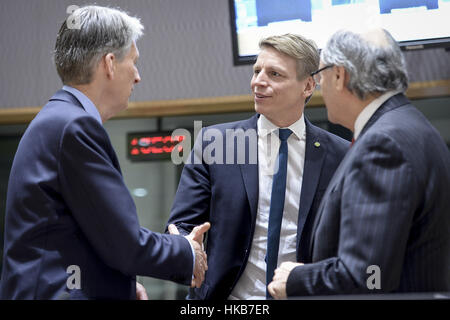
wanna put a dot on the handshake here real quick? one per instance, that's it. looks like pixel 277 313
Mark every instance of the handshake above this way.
pixel 195 238
pixel 277 288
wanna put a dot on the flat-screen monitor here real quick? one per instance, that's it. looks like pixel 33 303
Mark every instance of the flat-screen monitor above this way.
pixel 415 24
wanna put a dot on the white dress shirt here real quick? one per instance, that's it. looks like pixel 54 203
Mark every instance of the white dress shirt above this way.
pixel 369 110
pixel 252 283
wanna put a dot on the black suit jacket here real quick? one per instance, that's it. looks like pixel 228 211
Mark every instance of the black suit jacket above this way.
pixel 227 196
pixel 386 206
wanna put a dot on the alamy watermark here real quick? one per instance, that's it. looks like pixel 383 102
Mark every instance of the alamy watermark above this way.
pixel 72 21
pixel 229 146
pixel 74 280
pixel 374 280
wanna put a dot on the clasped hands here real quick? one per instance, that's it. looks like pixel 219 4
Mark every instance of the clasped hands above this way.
pixel 195 238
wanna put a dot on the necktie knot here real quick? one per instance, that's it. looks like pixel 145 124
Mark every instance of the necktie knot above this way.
pixel 284 134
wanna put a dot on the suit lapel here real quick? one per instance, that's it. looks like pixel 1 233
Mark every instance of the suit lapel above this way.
pixel 315 152
pixel 250 171
pixel 336 177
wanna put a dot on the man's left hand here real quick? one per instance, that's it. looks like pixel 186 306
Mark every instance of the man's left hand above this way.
pixel 277 288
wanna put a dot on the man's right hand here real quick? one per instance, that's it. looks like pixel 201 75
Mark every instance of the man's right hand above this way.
pixel 195 238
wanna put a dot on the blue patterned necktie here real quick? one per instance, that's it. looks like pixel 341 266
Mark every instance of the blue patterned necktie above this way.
pixel 277 207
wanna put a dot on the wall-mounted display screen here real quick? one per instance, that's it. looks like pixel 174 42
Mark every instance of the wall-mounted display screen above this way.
pixel 415 24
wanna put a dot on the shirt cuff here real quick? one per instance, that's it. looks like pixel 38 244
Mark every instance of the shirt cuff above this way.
pixel 193 259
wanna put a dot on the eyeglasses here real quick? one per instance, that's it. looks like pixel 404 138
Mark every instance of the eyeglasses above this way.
pixel 316 74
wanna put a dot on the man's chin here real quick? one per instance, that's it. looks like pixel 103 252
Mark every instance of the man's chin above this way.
pixel 259 108
pixel 120 108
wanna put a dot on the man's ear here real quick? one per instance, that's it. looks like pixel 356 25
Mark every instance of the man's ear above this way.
pixel 309 87
pixel 109 61
pixel 340 77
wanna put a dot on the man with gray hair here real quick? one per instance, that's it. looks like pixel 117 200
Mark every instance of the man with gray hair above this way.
pixel 261 211
pixel 384 224
pixel 71 228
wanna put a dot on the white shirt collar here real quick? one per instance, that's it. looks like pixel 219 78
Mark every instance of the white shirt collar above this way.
pixel 369 110
pixel 265 127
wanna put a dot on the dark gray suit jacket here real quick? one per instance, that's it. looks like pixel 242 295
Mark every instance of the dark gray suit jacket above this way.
pixel 387 205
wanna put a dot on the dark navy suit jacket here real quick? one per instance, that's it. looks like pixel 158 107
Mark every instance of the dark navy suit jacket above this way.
pixel 227 196
pixel 387 206
pixel 67 204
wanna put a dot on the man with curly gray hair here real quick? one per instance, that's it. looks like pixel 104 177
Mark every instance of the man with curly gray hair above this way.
pixel 71 228
pixel 383 225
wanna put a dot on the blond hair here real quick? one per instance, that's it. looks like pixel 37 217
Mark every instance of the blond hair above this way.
pixel 303 50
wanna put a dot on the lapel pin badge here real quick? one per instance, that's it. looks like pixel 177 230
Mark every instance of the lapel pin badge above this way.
pixel 316 144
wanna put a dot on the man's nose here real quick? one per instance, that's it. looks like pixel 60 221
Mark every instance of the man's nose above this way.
pixel 137 79
pixel 260 79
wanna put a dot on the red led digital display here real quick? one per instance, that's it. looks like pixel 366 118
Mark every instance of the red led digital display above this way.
pixel 153 146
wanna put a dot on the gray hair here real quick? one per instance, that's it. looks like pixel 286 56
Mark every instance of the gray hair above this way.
pixel 100 31
pixel 303 50
pixel 372 68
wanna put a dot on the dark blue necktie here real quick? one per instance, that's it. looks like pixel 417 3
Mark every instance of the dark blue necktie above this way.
pixel 277 207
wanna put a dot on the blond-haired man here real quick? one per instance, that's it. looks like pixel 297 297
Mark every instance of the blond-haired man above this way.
pixel 260 211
